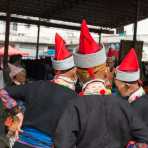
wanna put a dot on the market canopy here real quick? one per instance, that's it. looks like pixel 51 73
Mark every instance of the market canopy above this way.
pixel 13 51
pixel 106 13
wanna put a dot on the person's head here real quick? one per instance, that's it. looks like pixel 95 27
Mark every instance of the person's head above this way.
pixel 63 62
pixel 98 72
pixel 70 73
pixel 20 77
pixel 128 74
pixel 126 88
pixel 17 74
pixel 90 58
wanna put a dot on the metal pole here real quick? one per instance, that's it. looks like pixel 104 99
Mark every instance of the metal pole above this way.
pixel 100 33
pixel 38 38
pixel 136 22
pixel 135 33
pixel 7 32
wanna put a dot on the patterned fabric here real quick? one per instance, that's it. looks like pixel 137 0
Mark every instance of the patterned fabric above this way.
pixel 11 115
pixel 136 95
pixel 14 125
pixel 6 104
pixel 7 101
pixel 64 81
pixel 133 144
pixel 3 112
pixel 141 145
pixel 96 87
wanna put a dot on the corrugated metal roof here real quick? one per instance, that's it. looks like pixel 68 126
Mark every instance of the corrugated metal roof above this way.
pixel 107 13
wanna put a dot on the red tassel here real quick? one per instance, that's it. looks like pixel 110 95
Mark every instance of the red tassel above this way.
pixel 81 93
pixel 91 72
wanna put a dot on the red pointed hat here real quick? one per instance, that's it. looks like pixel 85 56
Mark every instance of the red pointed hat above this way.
pixel 87 44
pixel 90 54
pixel 110 53
pixel 61 51
pixel 130 62
pixel 63 58
pixel 129 69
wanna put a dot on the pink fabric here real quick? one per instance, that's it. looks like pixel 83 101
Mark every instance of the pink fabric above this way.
pixel 14 70
pixel 7 101
pixel 13 51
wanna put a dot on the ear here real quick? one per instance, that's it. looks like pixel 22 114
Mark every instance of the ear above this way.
pixel 74 69
pixel 57 72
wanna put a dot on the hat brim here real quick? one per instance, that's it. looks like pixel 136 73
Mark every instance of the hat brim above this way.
pixel 90 60
pixel 63 64
pixel 127 76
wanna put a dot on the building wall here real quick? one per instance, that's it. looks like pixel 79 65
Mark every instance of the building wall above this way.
pixel 24 36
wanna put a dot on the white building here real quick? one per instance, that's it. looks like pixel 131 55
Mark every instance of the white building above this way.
pixel 24 36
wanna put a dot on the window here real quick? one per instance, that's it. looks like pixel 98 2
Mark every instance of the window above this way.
pixel 28 26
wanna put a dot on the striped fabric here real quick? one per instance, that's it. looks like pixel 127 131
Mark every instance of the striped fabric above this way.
pixel 35 138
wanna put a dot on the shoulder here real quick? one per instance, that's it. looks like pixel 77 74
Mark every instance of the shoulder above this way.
pixel 142 101
pixel 61 89
pixel 93 100
pixel 97 98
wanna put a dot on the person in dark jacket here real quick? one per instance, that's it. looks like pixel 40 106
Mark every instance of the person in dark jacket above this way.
pixel 97 119
pixel 129 86
pixel 127 81
pixel 45 101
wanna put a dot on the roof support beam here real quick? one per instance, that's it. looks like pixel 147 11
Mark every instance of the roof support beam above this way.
pixel 62 6
pixel 38 39
pixel 136 21
pixel 7 32
pixel 49 24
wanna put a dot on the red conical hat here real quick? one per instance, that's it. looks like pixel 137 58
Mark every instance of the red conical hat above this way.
pixel 63 58
pixel 129 69
pixel 61 51
pixel 130 62
pixel 110 52
pixel 87 44
pixel 90 54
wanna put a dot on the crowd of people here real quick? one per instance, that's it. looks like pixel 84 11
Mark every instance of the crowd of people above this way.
pixel 52 114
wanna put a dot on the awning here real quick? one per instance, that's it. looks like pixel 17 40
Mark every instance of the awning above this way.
pixel 13 51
